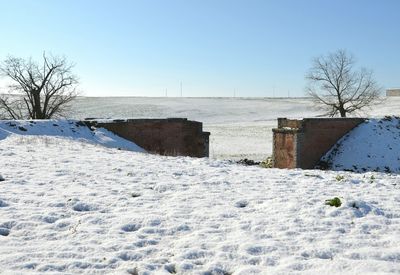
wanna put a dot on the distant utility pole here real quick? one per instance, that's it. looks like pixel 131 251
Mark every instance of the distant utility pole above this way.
pixel 273 91
pixel 166 92
pixel 181 89
pixel 288 93
pixel 234 92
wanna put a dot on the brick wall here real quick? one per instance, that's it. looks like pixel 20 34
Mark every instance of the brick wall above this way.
pixel 302 143
pixel 172 137
pixel 284 148
pixel 289 123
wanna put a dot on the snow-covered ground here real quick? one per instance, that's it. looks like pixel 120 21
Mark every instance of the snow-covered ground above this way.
pixel 240 127
pixel 71 202
pixel 70 207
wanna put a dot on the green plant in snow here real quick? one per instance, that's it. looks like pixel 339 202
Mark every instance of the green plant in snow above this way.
pixel 339 177
pixel 333 202
pixel 371 179
pixel 267 163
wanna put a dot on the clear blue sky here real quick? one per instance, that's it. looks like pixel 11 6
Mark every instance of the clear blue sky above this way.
pixel 141 48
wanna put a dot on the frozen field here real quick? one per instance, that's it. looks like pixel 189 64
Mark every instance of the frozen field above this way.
pixel 72 207
pixel 240 127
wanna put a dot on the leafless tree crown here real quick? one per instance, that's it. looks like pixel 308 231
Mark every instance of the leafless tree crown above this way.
pixel 37 91
pixel 336 86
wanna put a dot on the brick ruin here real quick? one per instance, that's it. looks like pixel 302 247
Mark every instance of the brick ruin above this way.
pixel 296 143
pixel 171 136
pixel 302 143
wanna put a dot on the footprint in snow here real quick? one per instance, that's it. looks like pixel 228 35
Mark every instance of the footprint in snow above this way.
pixel 49 219
pixel 4 231
pixel 154 222
pixel 144 243
pixel 260 250
pixel 171 268
pixel 3 203
pixel 83 207
pixel 183 227
pixel 241 203
pixel 130 227
pixel 5 228
pixel 361 208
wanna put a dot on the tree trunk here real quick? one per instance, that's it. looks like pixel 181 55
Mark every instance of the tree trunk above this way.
pixel 37 110
pixel 342 112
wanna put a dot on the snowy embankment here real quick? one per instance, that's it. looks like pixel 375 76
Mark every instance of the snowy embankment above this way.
pixel 72 207
pixel 372 146
pixel 71 129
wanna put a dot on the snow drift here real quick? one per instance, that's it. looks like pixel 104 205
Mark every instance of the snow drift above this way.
pixel 372 146
pixel 70 129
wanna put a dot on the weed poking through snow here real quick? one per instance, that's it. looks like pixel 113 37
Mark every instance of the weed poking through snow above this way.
pixel 336 202
pixel 339 177
pixel 74 228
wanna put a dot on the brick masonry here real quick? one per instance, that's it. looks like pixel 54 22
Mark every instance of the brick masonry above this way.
pixel 302 143
pixel 171 137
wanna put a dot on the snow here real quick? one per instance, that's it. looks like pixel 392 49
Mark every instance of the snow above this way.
pixel 71 129
pixel 72 203
pixel 69 206
pixel 375 144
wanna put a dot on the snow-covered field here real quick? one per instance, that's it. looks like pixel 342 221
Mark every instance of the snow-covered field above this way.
pixel 71 202
pixel 69 205
pixel 240 127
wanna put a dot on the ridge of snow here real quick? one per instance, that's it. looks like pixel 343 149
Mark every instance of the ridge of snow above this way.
pixel 70 129
pixel 374 145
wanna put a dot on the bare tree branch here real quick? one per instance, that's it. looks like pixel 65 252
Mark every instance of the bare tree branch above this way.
pixel 338 88
pixel 37 92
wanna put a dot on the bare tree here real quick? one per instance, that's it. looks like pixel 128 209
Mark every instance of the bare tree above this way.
pixel 37 91
pixel 336 86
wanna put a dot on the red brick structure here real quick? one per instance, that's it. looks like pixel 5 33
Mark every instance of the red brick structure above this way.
pixel 171 137
pixel 302 143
